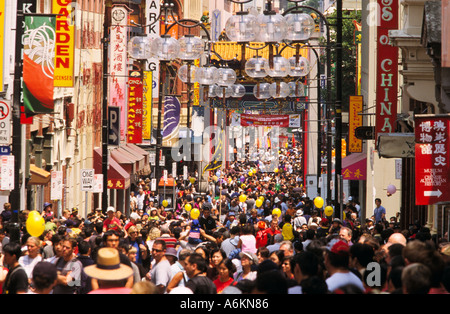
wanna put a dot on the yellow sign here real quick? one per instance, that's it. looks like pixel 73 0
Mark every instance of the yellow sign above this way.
pixel 147 105
pixel 197 87
pixel 2 39
pixel 355 120
pixel 64 42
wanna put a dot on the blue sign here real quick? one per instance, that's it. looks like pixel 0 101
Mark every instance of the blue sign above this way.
pixel 5 150
pixel 113 125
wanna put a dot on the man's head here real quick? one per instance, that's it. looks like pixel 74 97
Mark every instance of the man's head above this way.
pixel 378 202
pixel 111 239
pixel 158 250
pixel 13 252
pixel 110 211
pixel 304 264
pixel 345 234
pixel 69 246
pixel 287 248
pixel 195 264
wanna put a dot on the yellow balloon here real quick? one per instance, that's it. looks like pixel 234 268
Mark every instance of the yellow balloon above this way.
pixel 242 198
pixel 215 178
pixel 192 180
pixel 318 202
pixel 258 203
pixel 261 198
pixel 35 225
pixel 250 173
pixel 276 211
pixel 34 213
pixel 276 170
pixel 195 213
pixel 328 211
pixel 165 203
pixel 188 207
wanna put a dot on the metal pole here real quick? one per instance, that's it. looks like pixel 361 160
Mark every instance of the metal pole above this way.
pixel 160 112
pixel 105 112
pixel 15 196
pixel 338 117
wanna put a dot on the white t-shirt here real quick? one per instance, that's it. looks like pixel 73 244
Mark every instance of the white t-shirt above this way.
pixel 160 273
pixel 338 280
pixel 28 263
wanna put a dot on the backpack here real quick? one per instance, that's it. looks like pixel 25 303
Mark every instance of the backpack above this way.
pixel 261 238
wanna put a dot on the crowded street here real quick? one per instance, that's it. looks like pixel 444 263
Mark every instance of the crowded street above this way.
pixel 241 148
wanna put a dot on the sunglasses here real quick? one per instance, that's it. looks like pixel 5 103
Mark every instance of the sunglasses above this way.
pixel 158 251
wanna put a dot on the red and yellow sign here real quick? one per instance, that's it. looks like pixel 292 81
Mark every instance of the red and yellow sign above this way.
pixel 117 184
pixel 135 108
pixel 2 38
pixel 355 120
pixel 64 42
pixel 147 105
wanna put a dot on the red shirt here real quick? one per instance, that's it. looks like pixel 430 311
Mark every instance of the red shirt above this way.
pixel 222 285
pixel 109 224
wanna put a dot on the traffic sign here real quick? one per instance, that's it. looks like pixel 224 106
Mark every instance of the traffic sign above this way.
pixel 5 150
pixel 5 123
pixel 113 125
pixel 87 180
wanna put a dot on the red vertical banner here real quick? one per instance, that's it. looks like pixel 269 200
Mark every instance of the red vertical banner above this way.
pixel 387 69
pixel 135 108
pixel 355 121
pixel 432 169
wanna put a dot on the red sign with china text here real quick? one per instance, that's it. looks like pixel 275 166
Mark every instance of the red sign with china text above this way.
pixel 432 169
pixel 265 120
pixel 387 69
pixel 135 108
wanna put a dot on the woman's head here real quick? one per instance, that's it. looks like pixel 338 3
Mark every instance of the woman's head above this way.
pixel 226 269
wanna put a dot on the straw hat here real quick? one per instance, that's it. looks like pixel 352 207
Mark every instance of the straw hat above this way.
pixel 108 266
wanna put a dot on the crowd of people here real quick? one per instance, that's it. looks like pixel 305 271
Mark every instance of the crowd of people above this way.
pixel 250 233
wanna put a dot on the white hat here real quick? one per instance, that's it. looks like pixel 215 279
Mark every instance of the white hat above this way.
pixel 135 216
pixel 299 212
pixel 110 208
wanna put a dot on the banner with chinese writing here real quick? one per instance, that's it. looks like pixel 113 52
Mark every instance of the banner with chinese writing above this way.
pixel 354 167
pixel 387 69
pixel 38 64
pixel 135 108
pixel 432 170
pixel 265 120
pixel 355 120
pixel 64 42
pixel 147 105
pixel 118 64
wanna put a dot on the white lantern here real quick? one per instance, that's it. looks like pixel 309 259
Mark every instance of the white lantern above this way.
pixel 300 68
pixel 183 73
pixel 255 67
pixel 222 91
pixel 226 77
pixel 139 48
pixel 165 48
pixel 271 27
pixel 241 27
pixel 207 75
pixel 281 67
pixel 237 90
pixel 279 90
pixel 297 89
pixel 191 47
pixel 300 26
pixel 261 91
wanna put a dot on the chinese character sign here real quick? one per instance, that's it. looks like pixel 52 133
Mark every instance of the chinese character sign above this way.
pixel 135 108
pixel 432 159
pixel 118 64
pixel 355 120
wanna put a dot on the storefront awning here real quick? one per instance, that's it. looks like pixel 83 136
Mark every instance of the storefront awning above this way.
pixel 38 176
pixel 140 159
pixel 396 145
pixel 354 167
pixel 118 177
pixel 146 155
pixel 124 161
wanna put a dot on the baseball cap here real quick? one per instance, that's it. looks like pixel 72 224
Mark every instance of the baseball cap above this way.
pixel 135 216
pixel 337 246
pixel 110 208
